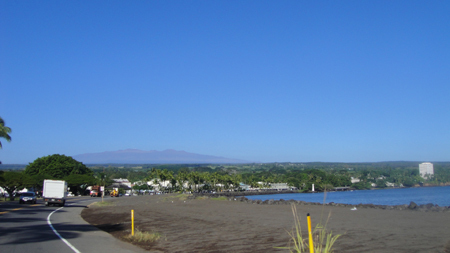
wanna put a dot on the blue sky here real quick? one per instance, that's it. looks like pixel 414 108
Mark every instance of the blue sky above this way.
pixel 268 81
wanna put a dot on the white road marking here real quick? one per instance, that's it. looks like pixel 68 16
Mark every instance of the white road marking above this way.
pixel 56 232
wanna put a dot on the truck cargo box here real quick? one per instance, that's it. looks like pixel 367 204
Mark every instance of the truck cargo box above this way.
pixel 55 192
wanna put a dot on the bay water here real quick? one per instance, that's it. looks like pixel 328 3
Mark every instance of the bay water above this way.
pixel 397 196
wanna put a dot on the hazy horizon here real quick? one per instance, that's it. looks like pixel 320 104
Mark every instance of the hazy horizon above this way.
pixel 244 162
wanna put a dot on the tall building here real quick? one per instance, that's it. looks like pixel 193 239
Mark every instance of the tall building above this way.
pixel 426 170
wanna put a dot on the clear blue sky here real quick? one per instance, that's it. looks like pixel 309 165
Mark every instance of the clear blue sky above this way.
pixel 269 81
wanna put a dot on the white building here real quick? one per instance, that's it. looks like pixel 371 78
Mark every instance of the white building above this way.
pixel 121 182
pixel 280 186
pixel 160 185
pixel 355 180
pixel 426 170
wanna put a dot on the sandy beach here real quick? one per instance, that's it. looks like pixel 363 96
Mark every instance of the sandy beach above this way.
pixel 208 225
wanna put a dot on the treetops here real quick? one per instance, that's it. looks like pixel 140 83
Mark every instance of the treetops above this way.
pixel 57 166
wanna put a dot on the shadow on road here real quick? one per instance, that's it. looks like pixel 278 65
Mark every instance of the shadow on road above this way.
pixel 29 225
pixel 24 233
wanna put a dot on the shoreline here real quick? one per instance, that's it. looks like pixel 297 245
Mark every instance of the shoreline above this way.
pixel 207 224
pixel 411 207
pixel 268 192
pixel 241 196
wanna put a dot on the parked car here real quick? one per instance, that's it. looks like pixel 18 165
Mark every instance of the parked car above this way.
pixel 27 197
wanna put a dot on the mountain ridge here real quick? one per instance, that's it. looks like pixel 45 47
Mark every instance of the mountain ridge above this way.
pixel 137 156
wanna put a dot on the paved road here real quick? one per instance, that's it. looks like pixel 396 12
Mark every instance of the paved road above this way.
pixel 26 228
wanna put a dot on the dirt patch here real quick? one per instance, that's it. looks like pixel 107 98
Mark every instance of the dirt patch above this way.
pixel 203 225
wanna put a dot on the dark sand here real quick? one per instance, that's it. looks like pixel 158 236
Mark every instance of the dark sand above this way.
pixel 206 225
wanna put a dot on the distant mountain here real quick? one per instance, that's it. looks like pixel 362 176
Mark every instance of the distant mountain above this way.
pixel 136 156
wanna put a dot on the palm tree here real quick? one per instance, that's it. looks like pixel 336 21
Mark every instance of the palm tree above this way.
pixel 228 181
pixel 171 179
pixel 194 179
pixel 163 176
pixel 153 176
pixel 157 182
pixel 215 178
pixel 237 179
pixel 4 131
pixel 181 179
pixel 173 183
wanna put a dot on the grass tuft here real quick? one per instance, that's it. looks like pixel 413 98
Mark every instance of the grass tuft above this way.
pixel 322 238
pixel 140 236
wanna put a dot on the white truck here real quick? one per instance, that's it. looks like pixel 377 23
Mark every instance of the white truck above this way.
pixel 55 192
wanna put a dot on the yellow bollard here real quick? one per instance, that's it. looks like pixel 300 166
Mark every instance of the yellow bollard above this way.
pixel 132 222
pixel 311 244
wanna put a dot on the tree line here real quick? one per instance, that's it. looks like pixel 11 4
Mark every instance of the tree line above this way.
pixel 57 167
pixel 200 177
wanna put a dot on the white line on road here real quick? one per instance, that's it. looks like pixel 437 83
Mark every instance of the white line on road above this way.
pixel 56 232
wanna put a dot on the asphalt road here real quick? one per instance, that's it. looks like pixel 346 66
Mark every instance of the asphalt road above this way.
pixel 28 228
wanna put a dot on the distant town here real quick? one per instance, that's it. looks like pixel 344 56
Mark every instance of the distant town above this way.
pixel 127 179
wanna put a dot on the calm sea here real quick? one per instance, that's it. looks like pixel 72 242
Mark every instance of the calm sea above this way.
pixel 398 196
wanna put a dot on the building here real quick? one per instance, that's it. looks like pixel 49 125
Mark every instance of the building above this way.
pixel 281 187
pixel 121 182
pixel 426 170
pixel 355 180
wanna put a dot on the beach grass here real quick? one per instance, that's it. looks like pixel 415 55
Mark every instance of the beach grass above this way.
pixel 140 236
pixel 323 239
pixel 297 242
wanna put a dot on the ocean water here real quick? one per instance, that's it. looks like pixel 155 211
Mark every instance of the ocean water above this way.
pixel 397 196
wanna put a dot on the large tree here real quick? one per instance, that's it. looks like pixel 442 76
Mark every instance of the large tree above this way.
pixel 57 167
pixel 13 181
pixel 78 183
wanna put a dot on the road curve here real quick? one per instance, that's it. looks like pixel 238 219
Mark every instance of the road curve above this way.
pixel 26 228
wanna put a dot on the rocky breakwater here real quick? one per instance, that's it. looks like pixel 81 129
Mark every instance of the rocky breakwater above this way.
pixel 243 193
pixel 411 207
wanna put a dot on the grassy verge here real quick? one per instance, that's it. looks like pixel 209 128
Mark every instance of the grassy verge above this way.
pixel 104 203
pixel 140 236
